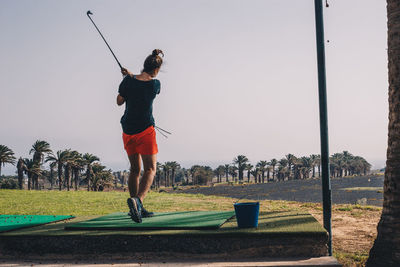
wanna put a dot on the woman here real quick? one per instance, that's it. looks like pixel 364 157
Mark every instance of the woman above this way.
pixel 139 137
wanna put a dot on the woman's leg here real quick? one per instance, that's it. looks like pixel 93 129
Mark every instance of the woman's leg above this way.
pixel 149 171
pixel 133 181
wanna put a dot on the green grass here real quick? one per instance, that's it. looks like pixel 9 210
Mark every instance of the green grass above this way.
pixel 362 188
pixel 351 259
pixel 80 203
pixel 357 207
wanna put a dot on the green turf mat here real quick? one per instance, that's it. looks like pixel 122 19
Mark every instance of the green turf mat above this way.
pixel 166 220
pixel 12 222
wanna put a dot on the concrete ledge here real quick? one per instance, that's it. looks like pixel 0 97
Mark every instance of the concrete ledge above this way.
pixel 320 261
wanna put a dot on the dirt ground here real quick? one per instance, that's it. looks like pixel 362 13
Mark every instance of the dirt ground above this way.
pixel 353 232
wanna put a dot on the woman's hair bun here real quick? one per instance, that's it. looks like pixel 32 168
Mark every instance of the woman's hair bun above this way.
pixel 156 52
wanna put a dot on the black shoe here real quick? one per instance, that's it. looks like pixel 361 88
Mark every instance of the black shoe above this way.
pixel 135 209
pixel 146 214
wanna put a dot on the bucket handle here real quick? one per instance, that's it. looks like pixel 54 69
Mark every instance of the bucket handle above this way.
pixel 237 201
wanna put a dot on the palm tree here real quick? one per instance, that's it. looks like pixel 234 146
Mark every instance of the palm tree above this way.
pixel 226 167
pixel 101 178
pixel 255 173
pixel 233 172
pixel 6 156
pixel 158 174
pixel 314 160
pixel 31 168
pixel 166 170
pixel 20 170
pixel 268 167
pixel 39 149
pixel 318 163
pixel 386 248
pixel 282 170
pixel 291 160
pixel 220 171
pixel 306 166
pixel 52 167
pixel 193 171
pixel 261 165
pixel 59 159
pixel 68 170
pixel 241 161
pixel 76 163
pixel 89 159
pixel 273 163
pixel 174 166
pixel 366 167
pixel 248 168
pixel 338 159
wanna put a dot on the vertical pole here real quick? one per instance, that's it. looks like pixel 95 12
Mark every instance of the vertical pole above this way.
pixel 323 116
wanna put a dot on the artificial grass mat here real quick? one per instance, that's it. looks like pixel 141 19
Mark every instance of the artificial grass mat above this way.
pixel 12 222
pixel 196 220
pixel 273 223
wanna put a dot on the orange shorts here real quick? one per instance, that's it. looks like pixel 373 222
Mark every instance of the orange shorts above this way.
pixel 143 143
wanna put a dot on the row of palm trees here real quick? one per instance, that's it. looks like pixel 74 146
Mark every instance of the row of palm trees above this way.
pixel 67 165
pixel 288 168
pixel 292 168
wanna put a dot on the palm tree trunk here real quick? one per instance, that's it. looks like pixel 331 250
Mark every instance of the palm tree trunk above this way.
pixel 67 177
pixel 386 248
pixel 33 181
pixel 20 179
pixel 173 177
pixel 76 180
pixel 29 181
pixel 273 173
pixel 59 176
pixel 88 177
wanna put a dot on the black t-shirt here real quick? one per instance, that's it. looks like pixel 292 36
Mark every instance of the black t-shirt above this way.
pixel 139 96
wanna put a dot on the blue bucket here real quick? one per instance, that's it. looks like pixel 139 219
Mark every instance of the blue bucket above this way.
pixel 247 214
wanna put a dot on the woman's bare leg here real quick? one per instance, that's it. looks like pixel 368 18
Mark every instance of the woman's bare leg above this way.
pixel 133 181
pixel 149 171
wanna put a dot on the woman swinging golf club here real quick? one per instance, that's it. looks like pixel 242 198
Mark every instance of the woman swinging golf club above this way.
pixel 139 136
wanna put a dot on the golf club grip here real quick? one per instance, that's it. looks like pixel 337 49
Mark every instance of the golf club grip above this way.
pixel 119 64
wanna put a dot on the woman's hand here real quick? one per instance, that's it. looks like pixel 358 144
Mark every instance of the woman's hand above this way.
pixel 125 72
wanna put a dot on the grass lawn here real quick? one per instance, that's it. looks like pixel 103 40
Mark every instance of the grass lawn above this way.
pixel 83 203
pixel 362 189
pixel 80 203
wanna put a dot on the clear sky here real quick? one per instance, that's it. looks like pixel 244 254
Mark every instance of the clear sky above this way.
pixel 240 77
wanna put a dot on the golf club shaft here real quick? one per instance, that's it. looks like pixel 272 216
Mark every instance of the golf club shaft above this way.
pixel 119 64
pixel 162 130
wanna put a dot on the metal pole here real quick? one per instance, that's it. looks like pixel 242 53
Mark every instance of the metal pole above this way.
pixel 323 116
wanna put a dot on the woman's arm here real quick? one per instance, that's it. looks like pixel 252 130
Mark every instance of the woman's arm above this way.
pixel 120 100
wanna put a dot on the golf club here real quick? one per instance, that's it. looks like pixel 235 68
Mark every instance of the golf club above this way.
pixel 88 13
pixel 162 131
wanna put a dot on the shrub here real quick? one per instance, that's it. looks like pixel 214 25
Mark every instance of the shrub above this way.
pixel 8 184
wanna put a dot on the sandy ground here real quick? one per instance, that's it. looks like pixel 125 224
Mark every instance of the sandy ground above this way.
pixel 353 231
